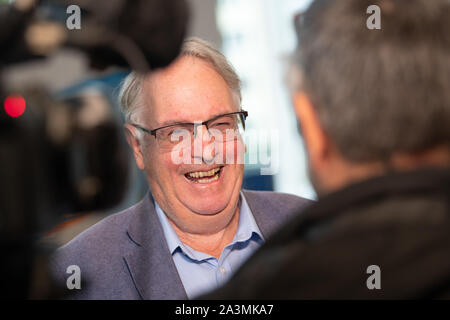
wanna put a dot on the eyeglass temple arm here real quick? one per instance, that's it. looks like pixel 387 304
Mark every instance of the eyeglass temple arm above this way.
pixel 152 132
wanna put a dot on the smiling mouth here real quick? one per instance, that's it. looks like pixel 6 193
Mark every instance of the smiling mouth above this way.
pixel 204 176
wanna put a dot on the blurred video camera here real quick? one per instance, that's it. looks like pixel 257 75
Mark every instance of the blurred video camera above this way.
pixel 65 155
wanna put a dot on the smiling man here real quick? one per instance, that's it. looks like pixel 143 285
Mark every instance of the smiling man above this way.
pixel 196 226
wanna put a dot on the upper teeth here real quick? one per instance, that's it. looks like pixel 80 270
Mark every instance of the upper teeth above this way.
pixel 199 174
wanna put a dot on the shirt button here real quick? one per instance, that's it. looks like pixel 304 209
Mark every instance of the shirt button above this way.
pixel 223 270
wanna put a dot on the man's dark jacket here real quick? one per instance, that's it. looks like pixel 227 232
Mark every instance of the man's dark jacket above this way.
pixel 399 223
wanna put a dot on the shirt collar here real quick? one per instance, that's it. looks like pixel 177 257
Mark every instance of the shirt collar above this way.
pixel 173 241
pixel 247 225
pixel 247 228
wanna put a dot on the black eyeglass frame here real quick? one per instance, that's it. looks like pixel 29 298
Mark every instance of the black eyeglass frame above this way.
pixel 242 113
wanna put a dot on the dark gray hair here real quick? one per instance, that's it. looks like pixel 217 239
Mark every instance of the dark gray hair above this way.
pixel 378 92
pixel 130 96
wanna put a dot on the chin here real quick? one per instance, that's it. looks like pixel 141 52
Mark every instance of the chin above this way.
pixel 210 197
pixel 207 205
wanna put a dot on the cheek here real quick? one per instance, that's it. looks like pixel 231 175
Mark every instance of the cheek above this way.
pixel 167 165
pixel 160 165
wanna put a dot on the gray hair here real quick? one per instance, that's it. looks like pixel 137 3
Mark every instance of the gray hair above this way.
pixel 378 92
pixel 130 96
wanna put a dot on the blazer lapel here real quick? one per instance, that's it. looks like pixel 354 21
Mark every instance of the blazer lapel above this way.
pixel 149 262
pixel 268 217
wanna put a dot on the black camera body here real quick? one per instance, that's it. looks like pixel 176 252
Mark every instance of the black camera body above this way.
pixel 60 155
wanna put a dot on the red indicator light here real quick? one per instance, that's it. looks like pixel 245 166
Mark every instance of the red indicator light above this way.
pixel 14 105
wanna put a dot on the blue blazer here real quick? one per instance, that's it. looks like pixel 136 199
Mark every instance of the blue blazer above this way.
pixel 125 256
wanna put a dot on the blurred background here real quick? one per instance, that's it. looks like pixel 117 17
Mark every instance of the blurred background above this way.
pixel 257 36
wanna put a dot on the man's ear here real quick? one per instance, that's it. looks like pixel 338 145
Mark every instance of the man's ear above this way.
pixel 316 140
pixel 135 144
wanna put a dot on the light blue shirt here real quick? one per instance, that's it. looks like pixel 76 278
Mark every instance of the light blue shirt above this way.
pixel 201 272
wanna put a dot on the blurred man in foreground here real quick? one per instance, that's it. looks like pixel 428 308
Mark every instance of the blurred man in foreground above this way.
pixel 374 111
pixel 196 226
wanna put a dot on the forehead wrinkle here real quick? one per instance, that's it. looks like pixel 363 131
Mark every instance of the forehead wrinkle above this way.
pixel 191 82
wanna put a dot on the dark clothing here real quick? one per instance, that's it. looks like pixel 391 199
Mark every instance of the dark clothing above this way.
pixel 399 222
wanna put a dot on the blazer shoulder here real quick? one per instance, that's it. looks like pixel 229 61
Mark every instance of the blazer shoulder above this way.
pixel 272 209
pixel 98 252
pixel 97 240
pixel 277 199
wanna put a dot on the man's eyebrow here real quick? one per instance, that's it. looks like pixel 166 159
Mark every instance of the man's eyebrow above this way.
pixel 171 122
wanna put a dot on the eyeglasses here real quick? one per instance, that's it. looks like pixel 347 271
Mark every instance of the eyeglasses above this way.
pixel 222 128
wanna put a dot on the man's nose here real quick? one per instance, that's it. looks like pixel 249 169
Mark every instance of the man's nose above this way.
pixel 204 147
